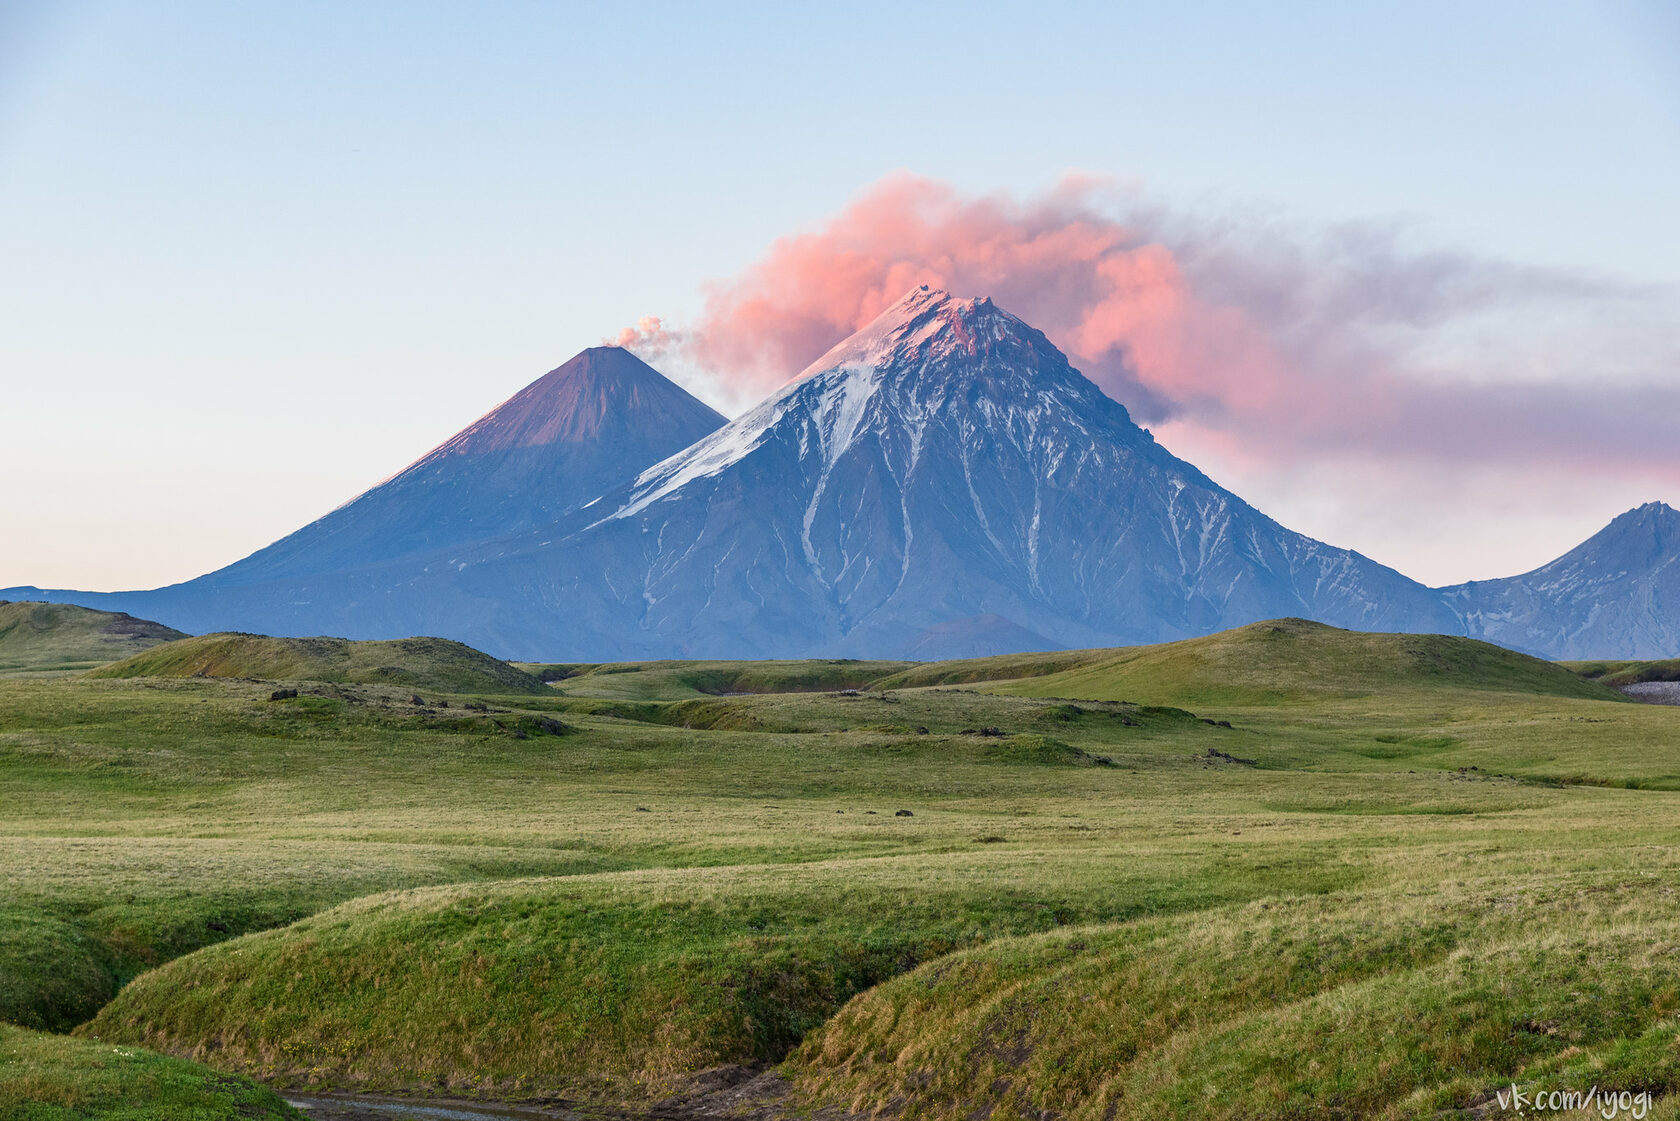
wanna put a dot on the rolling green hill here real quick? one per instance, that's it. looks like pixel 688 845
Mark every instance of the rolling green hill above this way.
pixel 670 679
pixel 412 663
pixel 1281 661
pixel 1294 873
pixel 1617 674
pixel 58 636
pixel 1277 661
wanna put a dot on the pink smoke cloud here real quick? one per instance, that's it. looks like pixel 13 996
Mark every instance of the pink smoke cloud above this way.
pixel 1089 282
pixel 649 337
pixel 1294 346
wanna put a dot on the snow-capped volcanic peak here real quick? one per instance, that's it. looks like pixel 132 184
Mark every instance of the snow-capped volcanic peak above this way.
pixel 925 322
pixel 929 355
pixel 944 478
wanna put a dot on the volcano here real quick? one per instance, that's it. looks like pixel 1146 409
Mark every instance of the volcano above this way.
pixel 553 446
pixel 940 484
pixel 943 481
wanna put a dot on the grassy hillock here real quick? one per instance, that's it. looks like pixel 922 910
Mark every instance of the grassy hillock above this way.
pixel 1617 674
pixel 1398 1003
pixel 617 986
pixel 1280 662
pixel 411 663
pixel 669 679
pixel 52 1078
pixel 38 637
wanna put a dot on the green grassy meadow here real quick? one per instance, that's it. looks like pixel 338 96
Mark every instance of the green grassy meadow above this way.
pixel 1285 871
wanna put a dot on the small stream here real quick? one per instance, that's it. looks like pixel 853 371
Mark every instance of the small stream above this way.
pixel 361 1107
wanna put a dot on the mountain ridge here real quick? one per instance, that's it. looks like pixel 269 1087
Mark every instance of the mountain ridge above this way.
pixel 946 437
pixel 1615 595
pixel 940 483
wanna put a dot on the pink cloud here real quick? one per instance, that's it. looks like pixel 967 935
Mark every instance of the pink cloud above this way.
pixel 1294 345
pixel 649 337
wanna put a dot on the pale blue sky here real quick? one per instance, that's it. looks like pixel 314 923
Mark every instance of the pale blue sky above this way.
pixel 256 256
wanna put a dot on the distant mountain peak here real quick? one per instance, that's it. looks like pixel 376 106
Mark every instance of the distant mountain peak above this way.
pixel 580 430
pixel 928 359
pixel 1654 523
pixel 1612 596
pixel 597 392
pixel 1659 512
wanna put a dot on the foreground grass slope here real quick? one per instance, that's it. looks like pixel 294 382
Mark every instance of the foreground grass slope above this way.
pixel 687 877
pixel 617 986
pixel 415 663
pixel 52 1078
pixel 143 820
pixel 1395 1003
pixel 147 818
pixel 44 637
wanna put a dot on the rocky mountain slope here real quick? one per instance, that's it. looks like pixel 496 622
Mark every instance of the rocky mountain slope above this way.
pixel 1616 595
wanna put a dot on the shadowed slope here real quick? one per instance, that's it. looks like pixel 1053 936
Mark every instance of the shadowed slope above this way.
pixel 1617 674
pixel 557 444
